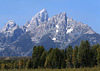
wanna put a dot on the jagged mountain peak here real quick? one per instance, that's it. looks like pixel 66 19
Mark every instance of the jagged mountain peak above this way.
pixel 27 23
pixel 10 26
pixel 10 23
pixel 57 31
pixel 61 18
pixel 60 14
pixel 43 11
pixel 70 19
pixel 63 13
pixel 41 16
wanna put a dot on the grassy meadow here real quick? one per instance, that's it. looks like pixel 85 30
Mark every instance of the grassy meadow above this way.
pixel 67 69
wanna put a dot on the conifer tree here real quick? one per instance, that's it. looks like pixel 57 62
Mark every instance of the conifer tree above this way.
pixel 98 56
pixel 16 65
pixel 47 63
pixel 37 52
pixel 29 64
pixel 84 57
pixel 55 59
pixel 63 59
pixel 50 50
pixel 94 55
pixel 75 60
pixel 21 63
pixel 69 56
pixel 43 58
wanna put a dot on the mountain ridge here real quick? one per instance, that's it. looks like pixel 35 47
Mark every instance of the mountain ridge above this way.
pixel 59 30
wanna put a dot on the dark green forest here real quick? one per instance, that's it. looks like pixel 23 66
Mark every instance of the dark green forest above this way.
pixel 80 56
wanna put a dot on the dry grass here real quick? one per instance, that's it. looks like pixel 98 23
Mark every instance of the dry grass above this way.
pixel 67 69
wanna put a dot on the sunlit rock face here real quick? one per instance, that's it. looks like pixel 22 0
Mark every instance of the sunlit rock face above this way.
pixel 51 32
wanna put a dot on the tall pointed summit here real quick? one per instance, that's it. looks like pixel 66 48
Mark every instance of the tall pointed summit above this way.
pixel 39 18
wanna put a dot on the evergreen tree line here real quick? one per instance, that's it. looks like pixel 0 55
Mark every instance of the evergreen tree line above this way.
pixel 83 55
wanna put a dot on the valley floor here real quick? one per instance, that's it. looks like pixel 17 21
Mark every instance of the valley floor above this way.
pixel 67 69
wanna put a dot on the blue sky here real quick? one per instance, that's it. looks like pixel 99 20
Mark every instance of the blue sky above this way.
pixel 86 11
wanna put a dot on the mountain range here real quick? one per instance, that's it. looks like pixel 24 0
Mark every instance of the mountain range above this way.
pixel 51 32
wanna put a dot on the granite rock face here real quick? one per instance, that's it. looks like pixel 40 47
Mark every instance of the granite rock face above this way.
pixel 51 32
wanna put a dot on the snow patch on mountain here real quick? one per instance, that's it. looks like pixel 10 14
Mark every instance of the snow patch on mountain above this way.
pixel 57 31
pixel 54 39
pixel 57 26
pixel 69 31
pixel 1 49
